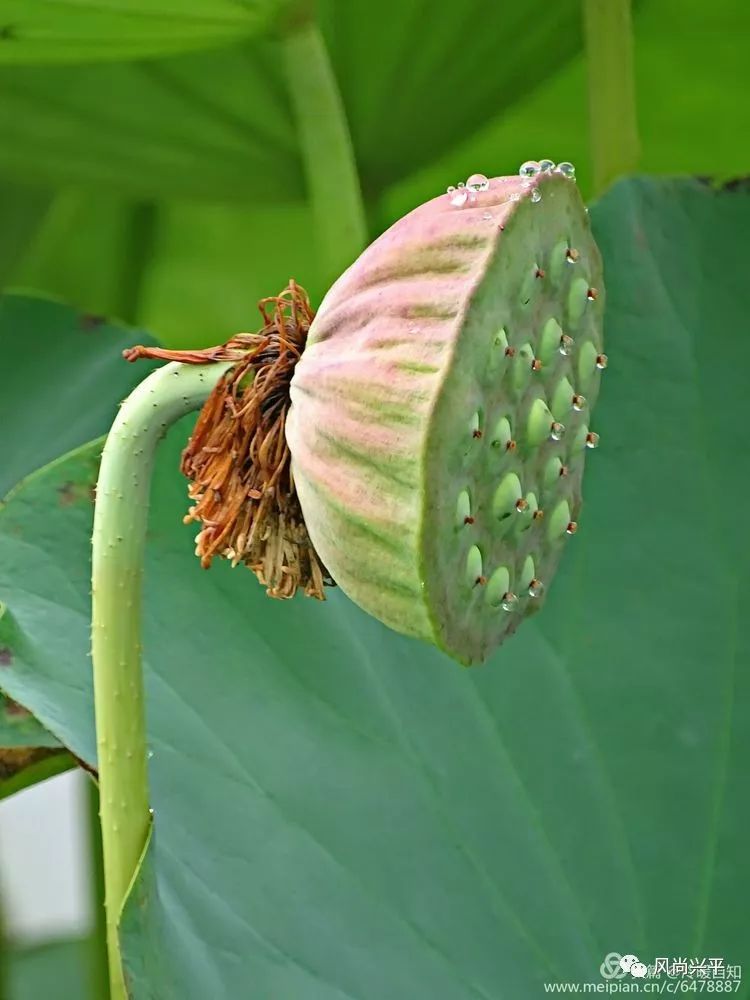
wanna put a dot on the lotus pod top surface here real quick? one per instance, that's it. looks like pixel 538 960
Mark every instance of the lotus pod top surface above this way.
pixel 441 410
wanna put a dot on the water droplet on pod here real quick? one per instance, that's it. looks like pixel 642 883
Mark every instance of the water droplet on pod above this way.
pixel 571 528
pixel 556 430
pixel 546 166
pixel 566 169
pixel 592 439
pixel 536 588
pixel 566 345
pixel 459 197
pixel 509 601
pixel 579 402
pixel 478 182
pixel 536 195
pixel 529 169
pixel 602 361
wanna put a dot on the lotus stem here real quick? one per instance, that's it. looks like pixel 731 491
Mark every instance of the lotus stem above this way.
pixel 611 83
pixel 120 522
pixel 327 152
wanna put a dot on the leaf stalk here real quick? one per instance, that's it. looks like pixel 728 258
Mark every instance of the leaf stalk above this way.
pixel 120 522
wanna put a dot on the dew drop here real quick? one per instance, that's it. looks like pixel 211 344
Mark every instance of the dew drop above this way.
pixel 497 586
pixel 522 505
pixel 459 196
pixel 546 166
pixel 566 169
pixel 572 255
pixel 536 588
pixel 592 439
pixel 579 402
pixel 529 169
pixel 538 423
pixel 558 520
pixel 566 345
pixel 478 182
pixel 509 601
pixel 515 196
pixel 506 495
pixel 527 573
pixel 449 190
pixel 571 528
pixel 536 195
pixel 602 361
pixel 556 430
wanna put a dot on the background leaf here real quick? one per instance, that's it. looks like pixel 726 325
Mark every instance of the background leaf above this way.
pixel 218 125
pixel 342 811
pixel 71 30
pixel 63 379
pixel 206 142
pixel 28 753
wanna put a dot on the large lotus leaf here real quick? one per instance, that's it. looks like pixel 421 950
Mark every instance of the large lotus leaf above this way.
pixel 62 378
pixel 94 248
pixel 209 125
pixel 340 811
pixel 22 210
pixel 70 30
pixel 218 124
pixel 28 753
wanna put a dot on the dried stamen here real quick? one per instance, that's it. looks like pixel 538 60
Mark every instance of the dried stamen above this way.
pixel 237 459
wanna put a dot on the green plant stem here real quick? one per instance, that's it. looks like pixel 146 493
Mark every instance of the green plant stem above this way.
pixel 611 82
pixel 98 967
pixel 120 521
pixel 328 155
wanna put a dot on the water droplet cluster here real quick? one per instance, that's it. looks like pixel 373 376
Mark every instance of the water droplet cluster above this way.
pixel 467 191
pixel 531 168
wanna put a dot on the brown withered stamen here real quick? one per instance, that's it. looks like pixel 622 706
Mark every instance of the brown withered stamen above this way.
pixel 237 459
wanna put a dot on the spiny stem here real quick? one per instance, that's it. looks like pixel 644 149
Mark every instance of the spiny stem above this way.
pixel 612 101
pixel 120 522
pixel 332 179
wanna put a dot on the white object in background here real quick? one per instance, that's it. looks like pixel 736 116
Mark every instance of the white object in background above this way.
pixel 44 861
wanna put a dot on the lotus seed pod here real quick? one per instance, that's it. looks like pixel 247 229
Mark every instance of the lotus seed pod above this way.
pixel 441 411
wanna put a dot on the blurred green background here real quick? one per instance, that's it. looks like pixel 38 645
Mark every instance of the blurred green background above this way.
pixel 151 169
pixel 169 191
